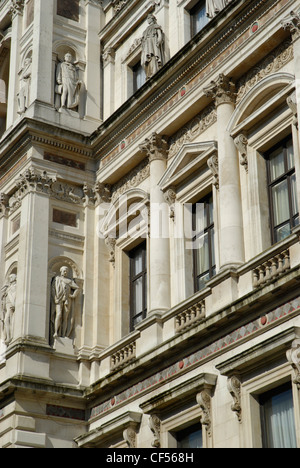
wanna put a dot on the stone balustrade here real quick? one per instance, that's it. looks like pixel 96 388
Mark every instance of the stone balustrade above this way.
pixel 123 356
pixel 190 316
pixel 271 269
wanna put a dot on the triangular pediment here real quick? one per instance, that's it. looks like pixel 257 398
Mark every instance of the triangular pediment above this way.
pixel 190 158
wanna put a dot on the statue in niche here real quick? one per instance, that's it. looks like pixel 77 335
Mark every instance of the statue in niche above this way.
pixel 25 80
pixel 63 294
pixel 68 85
pixel 8 306
pixel 213 7
pixel 152 58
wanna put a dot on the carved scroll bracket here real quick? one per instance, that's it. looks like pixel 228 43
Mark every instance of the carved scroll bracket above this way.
pixel 241 142
pixel 234 387
pixel 293 357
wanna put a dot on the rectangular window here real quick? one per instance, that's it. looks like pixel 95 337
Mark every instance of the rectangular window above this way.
pixel 138 285
pixel 139 76
pixel 203 242
pixel 68 9
pixel 277 418
pixel 190 438
pixel 282 190
pixel 199 18
pixel 64 217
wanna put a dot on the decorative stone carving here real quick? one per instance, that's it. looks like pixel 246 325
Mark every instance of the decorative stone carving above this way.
pixel 270 64
pixel 4 200
pixel 152 58
pixel 204 401
pixel 129 435
pixel 155 426
pixel 119 4
pixel 222 90
pixel 64 291
pixel 170 197
pixel 109 55
pixel 8 305
pixel 133 179
pixel 68 85
pixel 213 164
pixel 241 142
pixel 213 7
pixel 24 93
pixel 111 245
pixel 156 147
pixel 292 103
pixel 293 356
pixel 102 193
pixel 234 387
pixel 16 6
pixel 292 23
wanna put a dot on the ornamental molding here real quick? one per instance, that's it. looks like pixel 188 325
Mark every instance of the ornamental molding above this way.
pixel 293 357
pixel 270 64
pixel 16 7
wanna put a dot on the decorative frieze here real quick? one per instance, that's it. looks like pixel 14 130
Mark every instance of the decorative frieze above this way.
pixel 131 180
pixel 192 129
pixel 270 64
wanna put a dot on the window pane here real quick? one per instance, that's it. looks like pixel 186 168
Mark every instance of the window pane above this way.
pixel 199 18
pixel 213 259
pixel 277 164
pixel 280 203
pixel 202 280
pixel 290 154
pixel 138 262
pixel 202 257
pixel 190 438
pixel 294 195
pixel 138 296
pixel 282 232
pixel 279 427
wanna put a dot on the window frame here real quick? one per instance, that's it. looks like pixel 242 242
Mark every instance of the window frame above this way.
pixel 135 68
pixel 201 5
pixel 287 175
pixel 209 229
pixel 132 279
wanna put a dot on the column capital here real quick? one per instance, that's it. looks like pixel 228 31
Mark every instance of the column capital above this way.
pixel 16 7
pixel 222 90
pixel 156 147
pixel 292 23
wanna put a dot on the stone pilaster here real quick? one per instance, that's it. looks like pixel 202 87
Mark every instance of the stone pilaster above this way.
pixel 222 91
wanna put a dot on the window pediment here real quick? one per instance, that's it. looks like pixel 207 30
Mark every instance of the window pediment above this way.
pixel 188 160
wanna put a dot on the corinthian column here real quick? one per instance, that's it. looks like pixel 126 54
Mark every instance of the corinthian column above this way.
pixel 231 222
pixel 156 148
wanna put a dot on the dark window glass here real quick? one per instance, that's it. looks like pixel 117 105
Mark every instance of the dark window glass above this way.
pixel 277 418
pixel 282 190
pixel 139 76
pixel 68 9
pixel 190 437
pixel 199 18
pixel 203 242
pixel 138 285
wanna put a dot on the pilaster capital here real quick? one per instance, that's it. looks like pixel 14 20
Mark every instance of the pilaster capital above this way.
pixel 292 23
pixel 222 90
pixel 156 147
pixel 16 7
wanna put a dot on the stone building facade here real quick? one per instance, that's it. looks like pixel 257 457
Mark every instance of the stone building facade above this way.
pixel 149 223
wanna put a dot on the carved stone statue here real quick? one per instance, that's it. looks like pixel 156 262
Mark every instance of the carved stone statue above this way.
pixel 63 294
pixel 68 85
pixel 213 7
pixel 152 47
pixel 25 80
pixel 8 305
